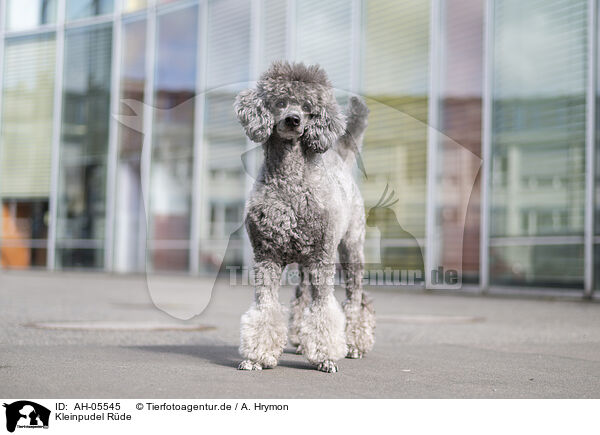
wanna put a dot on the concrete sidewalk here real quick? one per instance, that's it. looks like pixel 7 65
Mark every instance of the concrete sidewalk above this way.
pixel 435 346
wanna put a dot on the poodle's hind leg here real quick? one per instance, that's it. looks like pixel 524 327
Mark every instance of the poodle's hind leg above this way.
pixel 300 301
pixel 263 330
pixel 358 307
pixel 322 326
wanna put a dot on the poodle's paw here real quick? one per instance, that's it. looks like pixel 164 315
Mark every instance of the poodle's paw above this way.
pixel 249 365
pixel 328 366
pixel 322 331
pixel 269 362
pixel 354 353
pixel 299 350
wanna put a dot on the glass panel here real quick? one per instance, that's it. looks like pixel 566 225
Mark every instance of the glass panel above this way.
pixel 544 265
pixel 597 266
pixel 84 145
pixel 396 71
pixel 172 152
pixel 26 14
pixel 596 204
pixel 88 8
pixel 459 159
pixel 538 117
pixel 228 43
pixel 25 156
pixel 274 37
pixel 330 21
pixel 24 232
pixel 223 180
pixel 27 117
pixel 130 222
pixel 134 5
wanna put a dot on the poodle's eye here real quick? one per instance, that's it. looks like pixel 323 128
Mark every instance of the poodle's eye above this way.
pixel 281 103
pixel 307 107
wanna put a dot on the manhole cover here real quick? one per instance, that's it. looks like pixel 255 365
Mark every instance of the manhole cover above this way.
pixel 428 319
pixel 119 326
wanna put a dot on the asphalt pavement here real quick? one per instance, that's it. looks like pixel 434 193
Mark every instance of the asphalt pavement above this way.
pixel 87 335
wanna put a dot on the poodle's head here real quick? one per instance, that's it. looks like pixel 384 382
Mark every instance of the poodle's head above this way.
pixel 293 101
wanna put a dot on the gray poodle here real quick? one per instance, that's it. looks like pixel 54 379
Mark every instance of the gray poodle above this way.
pixel 303 207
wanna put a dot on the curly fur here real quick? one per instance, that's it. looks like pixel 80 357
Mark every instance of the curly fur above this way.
pixel 360 326
pixel 303 206
pixel 322 133
pixel 254 116
pixel 322 332
pixel 263 334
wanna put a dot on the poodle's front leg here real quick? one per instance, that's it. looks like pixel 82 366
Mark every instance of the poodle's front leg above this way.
pixel 263 330
pixel 322 326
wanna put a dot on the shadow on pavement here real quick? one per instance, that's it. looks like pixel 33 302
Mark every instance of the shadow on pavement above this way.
pixel 220 355
pixel 226 356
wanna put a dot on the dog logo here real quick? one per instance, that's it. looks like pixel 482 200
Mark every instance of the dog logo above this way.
pixel 26 414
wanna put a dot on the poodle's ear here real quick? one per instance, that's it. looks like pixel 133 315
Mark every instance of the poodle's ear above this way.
pixel 324 129
pixel 254 115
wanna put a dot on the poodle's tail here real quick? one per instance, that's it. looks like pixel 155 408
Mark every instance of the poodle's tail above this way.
pixel 349 145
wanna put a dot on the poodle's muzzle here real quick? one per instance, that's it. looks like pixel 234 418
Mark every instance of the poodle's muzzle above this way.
pixel 291 124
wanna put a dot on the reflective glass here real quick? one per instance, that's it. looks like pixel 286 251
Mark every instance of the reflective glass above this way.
pixel 597 266
pixel 538 142
pixel 274 35
pixel 130 221
pixel 330 21
pixel 544 265
pixel 83 148
pixel 25 154
pixel 173 139
pixel 222 175
pixel 27 14
pixel 88 8
pixel 596 204
pixel 459 145
pixel 396 77
pixel 134 5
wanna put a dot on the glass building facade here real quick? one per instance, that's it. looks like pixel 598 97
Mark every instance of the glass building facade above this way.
pixel 119 149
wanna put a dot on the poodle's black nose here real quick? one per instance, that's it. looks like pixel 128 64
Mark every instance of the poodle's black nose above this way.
pixel 292 121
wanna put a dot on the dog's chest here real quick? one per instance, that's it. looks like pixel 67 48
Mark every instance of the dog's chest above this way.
pixel 290 225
